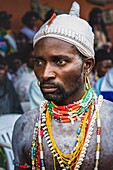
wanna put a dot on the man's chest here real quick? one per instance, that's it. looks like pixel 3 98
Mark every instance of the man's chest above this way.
pixel 65 138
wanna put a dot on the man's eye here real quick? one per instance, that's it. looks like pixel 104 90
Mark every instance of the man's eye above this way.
pixel 61 62
pixel 38 61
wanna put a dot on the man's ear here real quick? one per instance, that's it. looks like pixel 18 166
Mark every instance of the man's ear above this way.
pixel 88 65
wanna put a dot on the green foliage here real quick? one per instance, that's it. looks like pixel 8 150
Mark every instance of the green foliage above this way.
pixel 3 158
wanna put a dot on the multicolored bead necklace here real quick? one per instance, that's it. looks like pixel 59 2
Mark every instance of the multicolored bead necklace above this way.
pixel 71 112
pixel 87 109
pixel 67 161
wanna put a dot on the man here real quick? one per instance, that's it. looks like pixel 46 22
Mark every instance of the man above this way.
pixel 6 32
pixel 29 24
pixel 106 86
pixel 64 126
pixel 103 62
pixel 35 94
pixel 102 39
pixel 9 100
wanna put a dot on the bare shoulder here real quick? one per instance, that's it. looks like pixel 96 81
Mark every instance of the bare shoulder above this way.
pixel 22 135
pixel 26 119
pixel 106 115
pixel 107 109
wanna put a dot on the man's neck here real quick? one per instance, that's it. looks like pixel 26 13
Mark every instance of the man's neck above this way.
pixel 73 98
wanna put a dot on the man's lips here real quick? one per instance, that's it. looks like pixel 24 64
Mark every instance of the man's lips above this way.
pixel 48 88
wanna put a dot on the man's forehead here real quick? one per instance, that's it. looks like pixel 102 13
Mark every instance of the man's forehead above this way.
pixel 53 42
pixel 53 47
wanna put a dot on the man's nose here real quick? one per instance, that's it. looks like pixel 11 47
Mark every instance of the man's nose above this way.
pixel 48 72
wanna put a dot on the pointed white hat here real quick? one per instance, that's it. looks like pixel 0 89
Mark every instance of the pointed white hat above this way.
pixel 69 28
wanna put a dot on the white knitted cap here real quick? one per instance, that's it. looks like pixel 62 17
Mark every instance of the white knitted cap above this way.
pixel 69 28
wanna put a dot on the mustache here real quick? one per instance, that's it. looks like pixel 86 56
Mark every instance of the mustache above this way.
pixel 43 83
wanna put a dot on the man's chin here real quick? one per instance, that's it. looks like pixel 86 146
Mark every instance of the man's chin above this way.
pixel 52 97
pixel 49 96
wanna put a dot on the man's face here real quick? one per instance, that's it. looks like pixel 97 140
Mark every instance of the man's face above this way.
pixel 7 24
pixel 59 69
pixel 98 18
pixel 32 21
pixel 3 72
pixel 104 66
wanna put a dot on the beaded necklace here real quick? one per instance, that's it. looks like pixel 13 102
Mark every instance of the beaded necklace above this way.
pixel 43 127
pixel 71 112
pixel 67 161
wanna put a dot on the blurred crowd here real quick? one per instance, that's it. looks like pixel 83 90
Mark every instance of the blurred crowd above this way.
pixel 103 54
pixel 19 88
pixel 16 62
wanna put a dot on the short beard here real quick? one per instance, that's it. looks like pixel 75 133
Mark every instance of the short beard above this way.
pixel 64 94
pixel 56 97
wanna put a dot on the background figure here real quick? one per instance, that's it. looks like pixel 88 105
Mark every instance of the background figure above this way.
pixel 103 62
pixel 22 41
pixel 25 74
pixel 29 25
pixel 4 46
pixel 35 94
pixel 9 101
pixel 106 88
pixel 102 39
pixel 6 31
pixel 14 62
